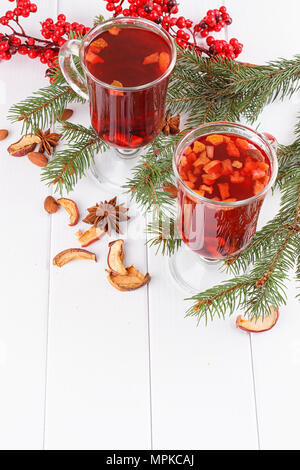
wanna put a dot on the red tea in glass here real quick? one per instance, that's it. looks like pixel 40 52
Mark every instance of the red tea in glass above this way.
pixel 223 177
pixel 128 113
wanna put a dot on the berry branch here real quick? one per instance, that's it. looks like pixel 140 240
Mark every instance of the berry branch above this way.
pixel 186 33
pixel 54 35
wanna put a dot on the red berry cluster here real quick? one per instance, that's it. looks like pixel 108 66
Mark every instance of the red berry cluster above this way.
pixel 182 29
pixel 55 34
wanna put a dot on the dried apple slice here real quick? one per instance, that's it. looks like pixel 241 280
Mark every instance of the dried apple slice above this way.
pixel 72 209
pixel 260 324
pixel 66 256
pixel 164 61
pixel 115 257
pixel 115 92
pixel 90 236
pixel 114 31
pixel 224 190
pixel 198 147
pixel 132 281
pixel 232 150
pixel 215 139
pixel 93 58
pixel 151 59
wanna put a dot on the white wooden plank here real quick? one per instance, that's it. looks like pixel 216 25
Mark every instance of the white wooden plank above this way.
pixel 275 354
pixel 202 387
pixel 24 239
pixel 98 361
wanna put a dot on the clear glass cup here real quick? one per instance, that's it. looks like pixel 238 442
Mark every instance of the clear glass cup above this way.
pixel 215 230
pixel 127 118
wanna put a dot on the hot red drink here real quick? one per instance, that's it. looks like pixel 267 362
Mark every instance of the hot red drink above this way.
pixel 127 57
pixel 222 168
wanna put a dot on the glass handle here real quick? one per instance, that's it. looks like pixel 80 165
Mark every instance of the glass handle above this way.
pixel 69 70
pixel 272 141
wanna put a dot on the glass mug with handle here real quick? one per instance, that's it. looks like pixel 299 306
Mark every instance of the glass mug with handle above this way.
pixel 127 63
pixel 223 172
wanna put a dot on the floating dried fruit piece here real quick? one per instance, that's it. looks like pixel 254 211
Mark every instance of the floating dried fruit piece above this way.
pixel 89 236
pixel 135 141
pixel 66 256
pixel 151 59
pixel 114 31
pixel 202 160
pixel 255 154
pixel 200 192
pixel 26 144
pixel 224 190
pixel 213 167
pixel 215 139
pixel 258 174
pixel 188 151
pixel 192 157
pixel 99 43
pixel 115 92
pixel 237 178
pixel 242 144
pixel 38 159
pixel 227 167
pixel 208 189
pixel 115 257
pixel 237 164
pixel 210 151
pixel 132 281
pixel 189 184
pixel 210 179
pixel 184 161
pixel 3 134
pixel 50 205
pixel 192 178
pixel 198 147
pixel 93 58
pixel 230 199
pixel 232 150
pixel 72 209
pixel 258 187
pixel 260 324
pixel 164 61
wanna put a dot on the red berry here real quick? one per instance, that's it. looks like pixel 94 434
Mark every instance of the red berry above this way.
pixel 30 41
pixel 181 22
pixel 126 12
pixel 4 21
pixel 32 54
pixel 9 14
pixel 204 33
pixel 61 17
pixel 210 40
pixel 223 9
pixel 43 60
pixel 110 6
pixel 234 42
pixel 33 8
pixel 4 46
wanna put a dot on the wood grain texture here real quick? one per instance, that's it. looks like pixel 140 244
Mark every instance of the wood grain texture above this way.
pixel 83 366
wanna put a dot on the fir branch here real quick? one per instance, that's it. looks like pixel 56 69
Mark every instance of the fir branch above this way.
pixel 213 90
pixel 153 170
pixel 166 238
pixel 71 163
pixel 40 110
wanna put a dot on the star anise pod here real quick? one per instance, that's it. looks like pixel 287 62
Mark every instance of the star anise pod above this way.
pixel 107 215
pixel 171 125
pixel 48 140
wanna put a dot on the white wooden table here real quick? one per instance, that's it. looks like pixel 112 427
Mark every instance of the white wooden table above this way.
pixel 85 367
